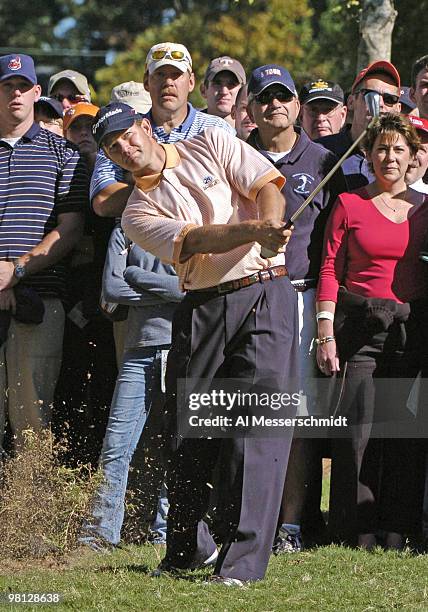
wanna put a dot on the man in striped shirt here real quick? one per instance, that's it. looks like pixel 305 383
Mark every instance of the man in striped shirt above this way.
pixel 169 79
pixel 43 186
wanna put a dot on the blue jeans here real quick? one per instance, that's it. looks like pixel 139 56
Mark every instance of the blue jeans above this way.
pixel 138 385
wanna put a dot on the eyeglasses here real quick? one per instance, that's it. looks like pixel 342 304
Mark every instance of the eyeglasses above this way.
pixel 266 97
pixel 178 56
pixel 73 98
pixel 389 99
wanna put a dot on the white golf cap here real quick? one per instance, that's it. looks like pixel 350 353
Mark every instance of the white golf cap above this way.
pixel 134 94
pixel 168 54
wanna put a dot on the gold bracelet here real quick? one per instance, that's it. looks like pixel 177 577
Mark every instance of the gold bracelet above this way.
pixel 324 340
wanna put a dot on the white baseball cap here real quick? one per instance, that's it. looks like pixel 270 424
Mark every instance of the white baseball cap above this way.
pixel 168 54
pixel 134 94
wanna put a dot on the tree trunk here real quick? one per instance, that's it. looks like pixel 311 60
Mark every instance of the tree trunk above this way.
pixel 376 25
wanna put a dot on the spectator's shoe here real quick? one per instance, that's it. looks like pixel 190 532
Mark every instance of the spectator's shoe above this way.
pixel 165 568
pixel 287 543
pixel 225 581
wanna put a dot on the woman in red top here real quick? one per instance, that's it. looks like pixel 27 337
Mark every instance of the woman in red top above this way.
pixel 372 271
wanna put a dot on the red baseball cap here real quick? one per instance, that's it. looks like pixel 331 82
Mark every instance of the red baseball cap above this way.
pixel 418 123
pixel 376 67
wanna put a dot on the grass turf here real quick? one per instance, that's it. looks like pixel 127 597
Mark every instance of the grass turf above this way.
pixel 326 579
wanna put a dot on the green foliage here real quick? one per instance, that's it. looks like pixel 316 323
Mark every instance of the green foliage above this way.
pixel 409 39
pixel 338 39
pixel 265 31
pixel 28 23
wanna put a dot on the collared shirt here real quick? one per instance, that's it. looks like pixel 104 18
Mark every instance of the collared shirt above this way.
pixel 304 166
pixel 41 177
pixel 107 173
pixel 213 178
pixel 355 167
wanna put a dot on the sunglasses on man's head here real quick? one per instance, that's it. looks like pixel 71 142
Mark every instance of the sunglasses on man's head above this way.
pixel 73 98
pixel 178 56
pixel 389 99
pixel 266 97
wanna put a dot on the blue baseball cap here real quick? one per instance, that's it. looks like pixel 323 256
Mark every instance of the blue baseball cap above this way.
pixel 113 117
pixel 53 104
pixel 270 74
pixel 17 65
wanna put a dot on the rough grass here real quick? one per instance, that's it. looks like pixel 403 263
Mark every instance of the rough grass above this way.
pixel 42 503
pixel 327 579
pixel 42 507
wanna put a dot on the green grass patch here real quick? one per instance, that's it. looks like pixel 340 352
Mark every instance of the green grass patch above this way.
pixel 325 579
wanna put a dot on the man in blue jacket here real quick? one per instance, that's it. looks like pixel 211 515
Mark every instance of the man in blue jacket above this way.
pixel 273 104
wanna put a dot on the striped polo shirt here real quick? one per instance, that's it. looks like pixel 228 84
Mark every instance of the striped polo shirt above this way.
pixel 106 172
pixel 41 177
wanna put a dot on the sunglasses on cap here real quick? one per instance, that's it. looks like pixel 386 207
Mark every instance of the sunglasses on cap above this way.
pixel 177 55
pixel 266 97
pixel 389 99
pixel 73 98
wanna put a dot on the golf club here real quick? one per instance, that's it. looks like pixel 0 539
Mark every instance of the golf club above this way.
pixel 372 100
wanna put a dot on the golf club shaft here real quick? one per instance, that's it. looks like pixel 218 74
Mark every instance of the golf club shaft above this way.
pixel 265 253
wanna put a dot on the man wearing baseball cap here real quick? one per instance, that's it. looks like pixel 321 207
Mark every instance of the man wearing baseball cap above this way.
pixel 417 174
pixel 169 79
pixel 238 317
pixel 48 114
pixel 43 184
pixel 69 87
pixel 381 77
pixel 419 88
pixel 134 94
pixel 322 110
pixel 274 106
pixel 78 120
pixel 223 78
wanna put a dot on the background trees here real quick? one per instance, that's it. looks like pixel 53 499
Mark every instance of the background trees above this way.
pixel 109 39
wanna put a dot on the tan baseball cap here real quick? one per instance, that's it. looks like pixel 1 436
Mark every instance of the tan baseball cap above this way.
pixel 76 78
pixel 168 54
pixel 134 94
pixel 225 64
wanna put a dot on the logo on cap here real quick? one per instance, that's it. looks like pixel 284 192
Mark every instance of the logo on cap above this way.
pixel 270 71
pixel 319 85
pixel 15 63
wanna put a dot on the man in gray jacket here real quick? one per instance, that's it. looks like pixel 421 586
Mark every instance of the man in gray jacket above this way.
pixel 138 279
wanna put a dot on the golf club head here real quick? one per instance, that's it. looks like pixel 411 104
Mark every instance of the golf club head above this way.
pixel 372 100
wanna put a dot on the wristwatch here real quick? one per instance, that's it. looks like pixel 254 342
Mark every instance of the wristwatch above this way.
pixel 19 271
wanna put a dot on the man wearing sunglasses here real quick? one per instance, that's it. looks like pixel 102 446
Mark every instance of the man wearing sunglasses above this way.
pixel 69 87
pixel 274 106
pixel 169 79
pixel 383 78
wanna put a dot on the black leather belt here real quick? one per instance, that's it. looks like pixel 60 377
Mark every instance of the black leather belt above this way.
pixel 239 283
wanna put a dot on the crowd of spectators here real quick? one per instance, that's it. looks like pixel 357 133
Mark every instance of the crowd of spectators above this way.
pixel 87 312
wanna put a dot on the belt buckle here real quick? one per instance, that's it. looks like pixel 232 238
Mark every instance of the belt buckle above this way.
pixel 222 290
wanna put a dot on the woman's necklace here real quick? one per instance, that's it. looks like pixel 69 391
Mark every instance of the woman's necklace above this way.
pixel 382 199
